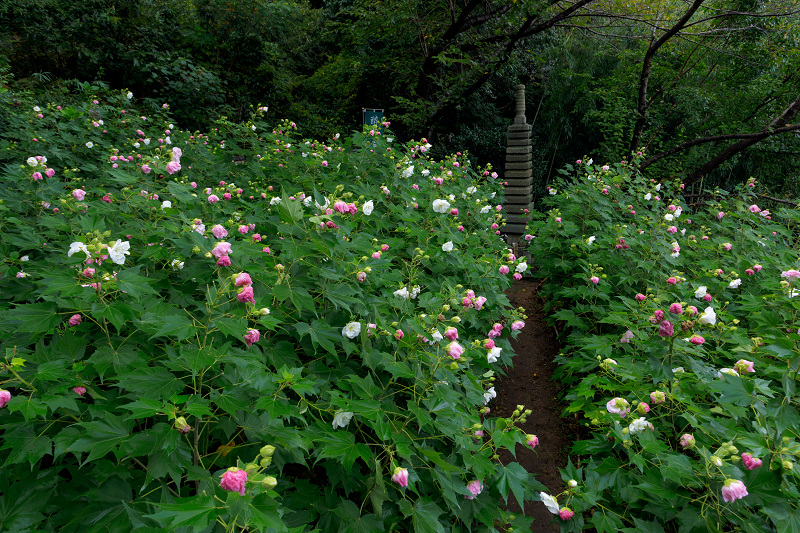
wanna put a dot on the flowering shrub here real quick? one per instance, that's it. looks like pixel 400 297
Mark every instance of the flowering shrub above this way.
pixel 246 328
pixel 681 353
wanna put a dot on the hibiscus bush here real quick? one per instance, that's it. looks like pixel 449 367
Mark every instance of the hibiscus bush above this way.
pixel 681 353
pixel 245 330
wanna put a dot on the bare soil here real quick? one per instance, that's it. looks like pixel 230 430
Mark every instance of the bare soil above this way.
pixel 530 383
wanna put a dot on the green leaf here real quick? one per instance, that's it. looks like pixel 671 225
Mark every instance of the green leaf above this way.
pixel 196 512
pixel 606 522
pixel 235 327
pixel 131 282
pixel 151 382
pixel 178 325
pixel 34 318
pixel 514 478
pixel 341 445
pixel 425 516
pixel 25 445
pixel 102 436
pixel 29 407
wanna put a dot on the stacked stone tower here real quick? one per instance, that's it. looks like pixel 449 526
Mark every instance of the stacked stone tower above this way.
pixel 518 173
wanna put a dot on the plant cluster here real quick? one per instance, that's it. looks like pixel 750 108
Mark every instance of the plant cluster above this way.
pixel 245 329
pixel 681 352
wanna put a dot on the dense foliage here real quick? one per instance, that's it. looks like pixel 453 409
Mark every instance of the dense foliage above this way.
pixel 681 352
pixel 247 329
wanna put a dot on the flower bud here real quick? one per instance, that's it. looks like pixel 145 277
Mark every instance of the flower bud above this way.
pixel 267 451
pixel 269 483
pixel 182 426
pixel 787 465
pixel 572 483
pixel 251 469
pixel 265 462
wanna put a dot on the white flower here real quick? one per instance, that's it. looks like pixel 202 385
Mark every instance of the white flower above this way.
pixel 522 267
pixel 425 173
pixel 89 144
pixel 275 200
pixel 136 145
pixel 638 425
pixel 200 228
pixel 448 246
pixel 436 336
pixel 368 207
pixel 119 250
pixel 171 127
pixel 708 317
pixel 735 283
pixel 402 293
pixel 166 204
pixel 451 197
pixel 441 206
pixel 553 192
pixel 341 419
pixel 591 239
pixel 678 212
pixel 493 354
pixel 415 291
pixel 24 258
pixel 668 217
pixel 352 330
pixel 701 291
pixel 307 201
pixel 100 122
pixel 683 232
pixel 253 127
pixel 167 140
pixel 678 370
pixel 729 371
pixel 389 139
pixel 590 161
pixel 485 209
pixel 36 108
pixel 675 254
pixel 550 502
pixel 324 206
pixel 488 395
pixel 32 162
pixel 129 95
pixel 648 196
pixel 177 264
pixel 472 190
pixel 658 187
pixel 408 172
pixel 78 247
pixel 264 311
pixel 147 141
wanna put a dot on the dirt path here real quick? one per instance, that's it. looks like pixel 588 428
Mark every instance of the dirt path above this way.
pixel 530 383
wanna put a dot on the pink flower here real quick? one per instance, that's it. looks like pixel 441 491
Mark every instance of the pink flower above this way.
pixel 558 220
pixel 532 441
pixel 595 280
pixel 757 268
pixel 221 248
pixel 454 212
pixel 74 320
pixel 754 209
pixel 751 462
pixel 720 214
pixel 658 397
pixel 727 246
pixel 455 350
pixel 676 309
pixel 687 441
pixel 80 391
pixel 243 229
pixel 451 333
pixel 399 334
pixel 672 229
pixel 5 397
pixel 529 237
pixel 173 167
pixel 479 301
pixel 488 344
pixel 79 194
pixel 517 276
pixel 640 297
pixel 219 231
pixel 619 406
pixel 733 490
pixel 340 207
pixel 626 337
pixel 707 298
pixel 243 280
pixel 106 198
pixel 233 480
pixel 643 408
pixel 266 250
pixel 49 172
pixel 37 176
pixel 256 237
pixel 224 261
pixel 749 271
pixel 324 163
pixel 226 196
pixel 565 513
pixel 88 272
pixel 246 295
pixel 361 276
pixel 691 310
pixel 791 274
pixel 252 336
pixel 744 366
pixel 517 325
pixel 400 476
pixel 672 280
pixel 665 329
pixel 146 169
pixel 376 255
pixel 384 247
pixel 697 340
pixel 503 269
pixel 212 199
pixel 475 487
